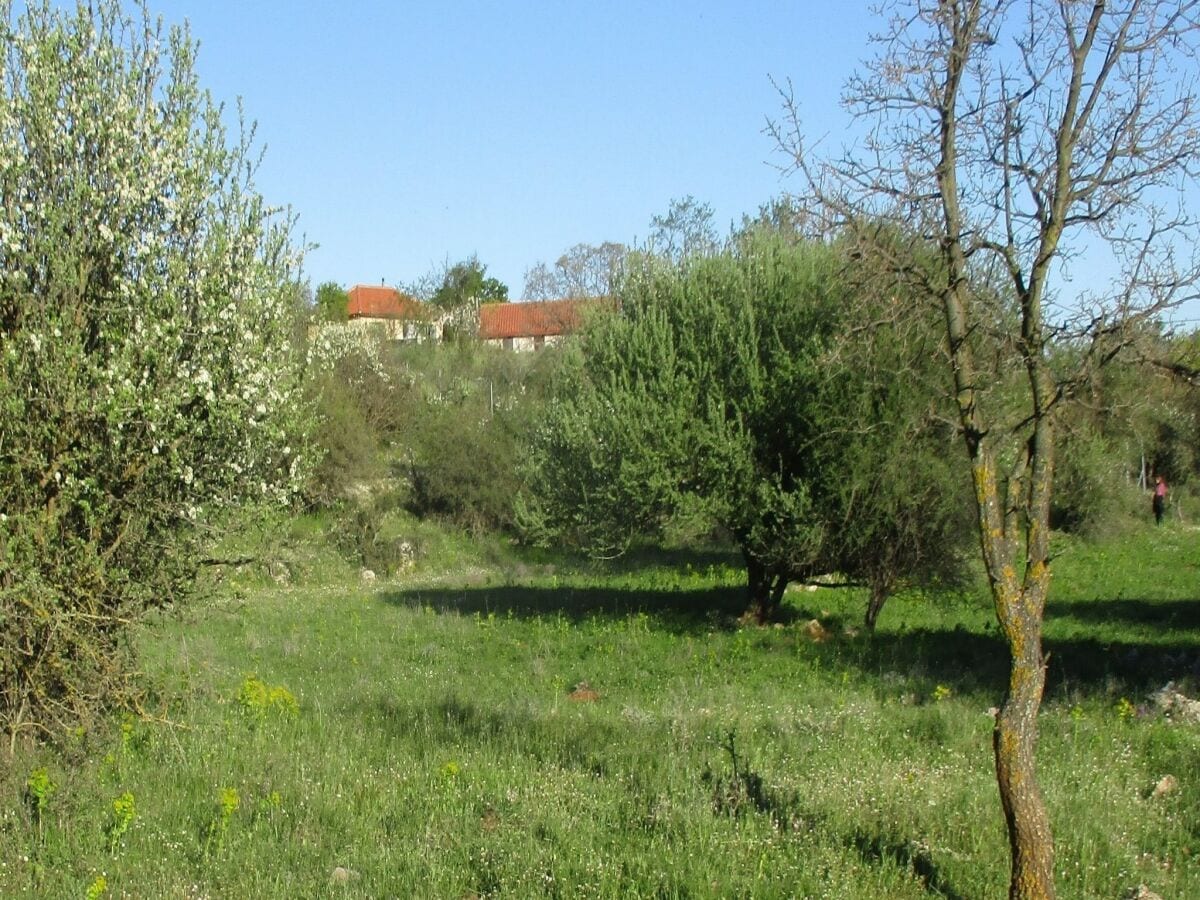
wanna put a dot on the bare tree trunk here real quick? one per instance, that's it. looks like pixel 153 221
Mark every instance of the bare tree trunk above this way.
pixel 764 590
pixel 878 597
pixel 1020 599
pixel 1014 742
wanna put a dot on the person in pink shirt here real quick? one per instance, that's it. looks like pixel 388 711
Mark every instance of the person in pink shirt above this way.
pixel 1160 498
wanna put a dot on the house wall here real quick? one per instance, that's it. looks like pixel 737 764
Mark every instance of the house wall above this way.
pixel 392 329
pixel 368 328
pixel 525 343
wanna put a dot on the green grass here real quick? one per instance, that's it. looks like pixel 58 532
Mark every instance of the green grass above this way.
pixel 434 748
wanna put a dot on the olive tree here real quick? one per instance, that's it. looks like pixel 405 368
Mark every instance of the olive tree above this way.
pixel 1015 136
pixel 725 385
pixel 147 372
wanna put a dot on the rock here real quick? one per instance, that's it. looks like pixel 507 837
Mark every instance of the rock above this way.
pixel 816 631
pixel 1168 784
pixel 1175 705
pixel 1141 892
pixel 342 875
pixel 367 576
pixel 583 693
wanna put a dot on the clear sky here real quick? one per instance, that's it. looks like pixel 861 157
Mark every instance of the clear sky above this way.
pixel 408 133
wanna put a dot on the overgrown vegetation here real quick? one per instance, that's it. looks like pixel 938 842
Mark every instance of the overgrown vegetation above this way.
pixel 147 377
pixel 441 743
pixel 435 429
pixel 395 692
pixel 748 385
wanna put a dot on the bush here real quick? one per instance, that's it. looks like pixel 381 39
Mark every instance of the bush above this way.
pixel 464 448
pixel 437 428
pixel 358 411
pixel 1093 493
pixel 147 376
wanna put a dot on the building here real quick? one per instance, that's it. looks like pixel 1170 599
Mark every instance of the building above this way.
pixel 533 324
pixel 387 311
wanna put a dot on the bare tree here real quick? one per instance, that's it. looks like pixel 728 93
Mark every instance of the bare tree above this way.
pixel 1025 140
pixel 585 270
pixel 685 230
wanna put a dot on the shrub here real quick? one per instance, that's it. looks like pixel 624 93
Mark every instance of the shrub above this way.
pixel 475 411
pixel 147 376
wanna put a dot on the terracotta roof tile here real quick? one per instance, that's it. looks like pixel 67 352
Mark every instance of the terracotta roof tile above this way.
pixel 382 302
pixel 543 318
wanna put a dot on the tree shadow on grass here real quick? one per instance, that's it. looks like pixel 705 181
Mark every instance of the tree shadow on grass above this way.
pixel 686 610
pixel 962 659
pixel 602 749
pixel 970 661
pixel 580 745
pixel 1166 614
pixel 876 848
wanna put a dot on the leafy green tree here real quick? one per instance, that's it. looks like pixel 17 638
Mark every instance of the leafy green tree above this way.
pixel 724 385
pixel 148 381
pixel 332 302
pixel 466 283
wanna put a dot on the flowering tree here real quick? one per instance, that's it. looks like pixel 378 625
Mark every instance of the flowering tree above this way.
pixel 147 375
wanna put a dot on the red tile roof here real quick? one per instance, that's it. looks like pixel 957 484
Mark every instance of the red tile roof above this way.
pixel 542 318
pixel 382 302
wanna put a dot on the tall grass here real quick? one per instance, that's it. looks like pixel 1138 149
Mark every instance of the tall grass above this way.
pixel 523 730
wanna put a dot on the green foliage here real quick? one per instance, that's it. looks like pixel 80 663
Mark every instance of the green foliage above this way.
pixel 728 384
pixel 1133 421
pixel 147 374
pixel 437 429
pixel 473 410
pixel 332 302
pixel 357 411
pixel 228 803
pixel 97 888
pixel 440 748
pixel 122 812
pixel 259 699
pixel 1094 481
pixel 466 283
pixel 39 788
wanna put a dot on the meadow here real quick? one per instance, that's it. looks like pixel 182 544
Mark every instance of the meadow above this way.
pixel 486 724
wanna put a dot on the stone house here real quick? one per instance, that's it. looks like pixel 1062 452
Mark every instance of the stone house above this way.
pixel 533 324
pixel 395 315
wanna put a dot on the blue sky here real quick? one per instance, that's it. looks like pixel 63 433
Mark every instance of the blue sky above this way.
pixel 405 133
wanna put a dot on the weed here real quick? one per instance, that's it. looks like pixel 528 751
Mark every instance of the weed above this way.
pixel 97 889
pixel 258 699
pixel 228 802
pixel 121 815
pixel 39 788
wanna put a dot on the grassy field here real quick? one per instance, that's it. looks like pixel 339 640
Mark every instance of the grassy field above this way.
pixel 486 726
